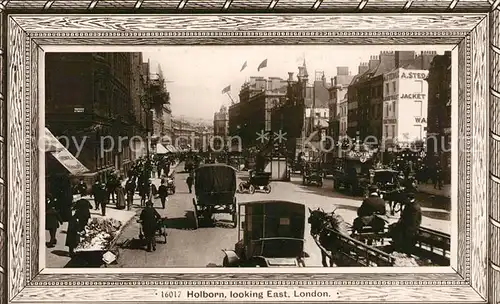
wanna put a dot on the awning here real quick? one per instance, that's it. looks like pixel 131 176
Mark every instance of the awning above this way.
pixel 171 149
pixel 160 149
pixel 63 156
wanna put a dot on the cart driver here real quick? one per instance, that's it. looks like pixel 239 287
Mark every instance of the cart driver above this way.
pixel 149 217
pixel 368 212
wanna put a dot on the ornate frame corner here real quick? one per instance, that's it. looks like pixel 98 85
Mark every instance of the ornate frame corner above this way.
pixel 476 277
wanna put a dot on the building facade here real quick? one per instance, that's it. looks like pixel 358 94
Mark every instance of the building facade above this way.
pixel 221 128
pixel 405 106
pixel 252 115
pixel 439 114
pixel 88 98
pixel 374 93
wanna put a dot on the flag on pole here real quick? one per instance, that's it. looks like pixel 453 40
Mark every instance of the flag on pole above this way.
pixel 244 66
pixel 226 89
pixel 262 65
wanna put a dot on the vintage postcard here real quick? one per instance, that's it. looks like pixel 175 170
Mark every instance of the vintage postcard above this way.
pixel 156 153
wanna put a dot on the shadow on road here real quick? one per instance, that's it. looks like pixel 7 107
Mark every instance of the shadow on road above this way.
pixel 60 253
pixel 182 223
pixel 133 244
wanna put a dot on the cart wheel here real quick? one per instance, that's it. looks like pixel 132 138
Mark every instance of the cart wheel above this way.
pixel 268 189
pixel 195 214
pixel 164 232
pixel 251 189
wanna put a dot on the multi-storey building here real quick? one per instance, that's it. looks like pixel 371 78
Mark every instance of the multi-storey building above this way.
pixel 338 94
pixel 252 115
pixel 371 95
pixel 139 72
pixel 439 113
pixel 88 96
pixel 221 128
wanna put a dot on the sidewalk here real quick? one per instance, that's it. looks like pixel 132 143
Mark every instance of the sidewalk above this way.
pixel 429 189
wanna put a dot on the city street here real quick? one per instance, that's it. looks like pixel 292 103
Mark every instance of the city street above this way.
pixel 187 247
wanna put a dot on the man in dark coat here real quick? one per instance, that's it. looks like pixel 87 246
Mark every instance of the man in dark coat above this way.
pixel 149 217
pixel 111 187
pixel 130 187
pixel 82 212
pixel 98 194
pixel 81 188
pixel 163 193
pixel 72 235
pixel 52 221
pixel 404 232
pixel 371 206
pixel 189 182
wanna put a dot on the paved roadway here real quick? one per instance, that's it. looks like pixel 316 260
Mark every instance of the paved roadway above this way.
pixel 187 247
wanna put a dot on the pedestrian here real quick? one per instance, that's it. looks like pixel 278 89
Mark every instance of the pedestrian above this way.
pixel 130 187
pixel 120 197
pixel 111 187
pixel 143 191
pixel 81 188
pixel 82 212
pixel 404 232
pixel 96 193
pixel 73 234
pixel 189 182
pixel 149 217
pixel 438 179
pixel 52 222
pixel 163 194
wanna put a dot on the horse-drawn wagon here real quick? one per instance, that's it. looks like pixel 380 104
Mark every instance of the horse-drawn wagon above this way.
pixel 345 247
pixel 270 234
pixel 215 188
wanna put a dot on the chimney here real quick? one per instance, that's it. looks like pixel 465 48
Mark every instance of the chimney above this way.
pixel 342 71
pixel 404 58
pixel 426 59
pixel 374 61
pixel 363 67
pixel 290 76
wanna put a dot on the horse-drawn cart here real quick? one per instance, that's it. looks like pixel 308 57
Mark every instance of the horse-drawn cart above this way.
pixel 365 248
pixel 215 188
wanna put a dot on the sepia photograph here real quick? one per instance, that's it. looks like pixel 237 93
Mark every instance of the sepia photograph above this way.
pixel 248 156
pixel 343 154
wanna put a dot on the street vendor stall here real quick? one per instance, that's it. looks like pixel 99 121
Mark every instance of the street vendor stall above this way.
pixel 97 242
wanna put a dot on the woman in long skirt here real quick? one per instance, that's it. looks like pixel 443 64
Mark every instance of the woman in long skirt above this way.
pixel 120 197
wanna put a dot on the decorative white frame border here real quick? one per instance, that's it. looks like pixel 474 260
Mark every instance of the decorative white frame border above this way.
pixel 469 282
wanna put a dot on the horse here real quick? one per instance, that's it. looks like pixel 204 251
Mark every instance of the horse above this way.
pixel 323 225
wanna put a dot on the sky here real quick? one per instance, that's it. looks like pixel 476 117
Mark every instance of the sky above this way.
pixel 196 75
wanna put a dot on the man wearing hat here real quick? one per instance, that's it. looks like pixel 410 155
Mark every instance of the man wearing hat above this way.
pixel 404 232
pixel 371 206
pixel 149 216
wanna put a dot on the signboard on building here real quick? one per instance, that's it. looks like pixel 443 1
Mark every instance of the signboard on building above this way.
pixel 414 75
pixel 420 120
pixel 390 121
pixel 413 96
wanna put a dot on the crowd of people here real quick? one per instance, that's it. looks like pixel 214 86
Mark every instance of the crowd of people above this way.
pixel 107 188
